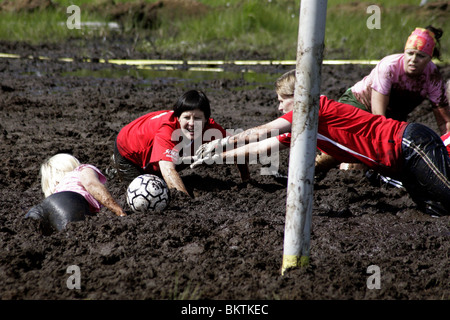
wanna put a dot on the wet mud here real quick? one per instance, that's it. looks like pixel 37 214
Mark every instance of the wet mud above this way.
pixel 227 243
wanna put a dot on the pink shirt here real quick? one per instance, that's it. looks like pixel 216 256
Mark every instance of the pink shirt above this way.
pixel 71 182
pixel 405 93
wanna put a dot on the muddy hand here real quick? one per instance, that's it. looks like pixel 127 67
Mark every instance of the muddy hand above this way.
pixel 196 161
pixel 206 149
pixel 208 160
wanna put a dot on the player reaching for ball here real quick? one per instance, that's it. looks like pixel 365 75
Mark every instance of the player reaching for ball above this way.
pixel 409 152
pixel 157 142
pixel 72 190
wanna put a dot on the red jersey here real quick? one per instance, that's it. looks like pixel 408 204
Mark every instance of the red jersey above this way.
pixel 156 136
pixel 350 135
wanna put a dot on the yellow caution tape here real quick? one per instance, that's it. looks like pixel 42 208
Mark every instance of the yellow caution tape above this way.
pixel 9 55
pixel 66 59
pixel 142 62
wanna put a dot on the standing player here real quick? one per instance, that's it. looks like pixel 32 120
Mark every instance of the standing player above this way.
pixel 156 142
pixel 409 152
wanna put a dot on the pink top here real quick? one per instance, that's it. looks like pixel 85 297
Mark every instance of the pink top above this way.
pixel 71 182
pixel 405 93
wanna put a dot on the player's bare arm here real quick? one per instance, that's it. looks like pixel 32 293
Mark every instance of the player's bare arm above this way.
pixel 210 150
pixel 275 127
pixel 92 184
pixel 171 176
pixel 442 115
pixel 244 172
pixel 264 147
pixel 379 103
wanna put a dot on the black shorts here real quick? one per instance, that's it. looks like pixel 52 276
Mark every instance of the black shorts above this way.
pixel 426 169
pixel 58 209
pixel 126 169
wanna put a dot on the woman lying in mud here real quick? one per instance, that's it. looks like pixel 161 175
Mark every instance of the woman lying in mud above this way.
pixel 72 190
pixel 409 152
pixel 156 142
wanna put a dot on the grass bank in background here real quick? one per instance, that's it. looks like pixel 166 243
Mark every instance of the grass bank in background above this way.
pixel 220 28
pixel 347 32
pixel 44 26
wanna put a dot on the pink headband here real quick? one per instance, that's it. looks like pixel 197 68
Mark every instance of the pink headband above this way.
pixel 421 39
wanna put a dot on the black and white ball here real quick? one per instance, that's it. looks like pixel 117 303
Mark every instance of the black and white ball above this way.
pixel 148 192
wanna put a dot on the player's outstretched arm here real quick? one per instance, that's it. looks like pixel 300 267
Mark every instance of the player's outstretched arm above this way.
pixel 244 172
pixel 259 133
pixel 92 184
pixel 171 176
pixel 442 115
pixel 253 150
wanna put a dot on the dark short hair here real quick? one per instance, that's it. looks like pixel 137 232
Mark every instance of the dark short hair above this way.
pixel 192 100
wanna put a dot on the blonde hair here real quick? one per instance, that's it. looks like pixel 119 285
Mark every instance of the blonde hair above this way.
pixel 54 169
pixel 285 85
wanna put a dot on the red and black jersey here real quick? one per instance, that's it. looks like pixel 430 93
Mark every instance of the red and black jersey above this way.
pixel 350 135
pixel 446 139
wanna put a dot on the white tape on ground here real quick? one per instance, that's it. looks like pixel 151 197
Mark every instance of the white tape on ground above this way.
pixel 142 62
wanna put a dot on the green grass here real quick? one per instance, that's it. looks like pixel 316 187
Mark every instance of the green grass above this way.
pixel 42 26
pixel 347 33
pixel 247 27
pixel 253 26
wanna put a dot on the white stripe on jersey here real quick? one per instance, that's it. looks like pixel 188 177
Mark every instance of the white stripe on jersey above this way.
pixel 447 141
pixel 340 146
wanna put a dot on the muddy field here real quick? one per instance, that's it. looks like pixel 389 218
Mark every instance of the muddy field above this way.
pixel 227 243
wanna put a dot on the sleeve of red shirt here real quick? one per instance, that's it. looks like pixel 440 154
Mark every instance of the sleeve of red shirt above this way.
pixel 213 131
pixel 163 148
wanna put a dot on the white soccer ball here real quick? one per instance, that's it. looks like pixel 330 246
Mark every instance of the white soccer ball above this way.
pixel 148 192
